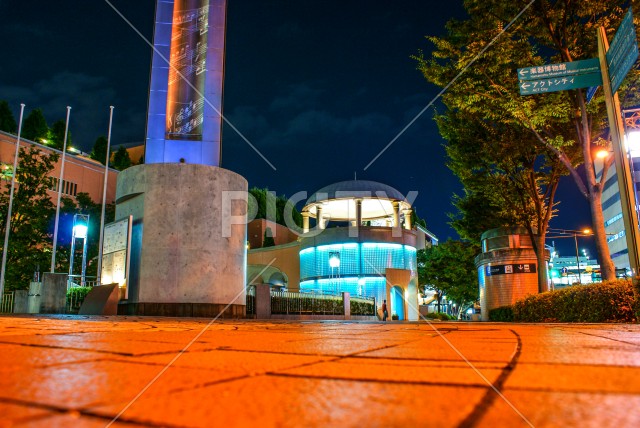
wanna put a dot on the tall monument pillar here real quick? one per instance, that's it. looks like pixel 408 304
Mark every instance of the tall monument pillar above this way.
pixel 186 258
pixel 184 121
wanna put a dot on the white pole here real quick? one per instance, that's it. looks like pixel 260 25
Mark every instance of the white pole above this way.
pixel 104 199
pixel 5 248
pixel 55 227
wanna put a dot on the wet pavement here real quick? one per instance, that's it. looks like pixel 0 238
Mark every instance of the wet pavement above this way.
pixel 137 371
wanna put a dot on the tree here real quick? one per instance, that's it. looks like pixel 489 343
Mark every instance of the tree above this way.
pixel 32 213
pixel 99 151
pixel 449 269
pixel 515 178
pixel 268 240
pixel 35 127
pixel 561 122
pixel 56 135
pixel 121 159
pixel 7 121
pixel 282 204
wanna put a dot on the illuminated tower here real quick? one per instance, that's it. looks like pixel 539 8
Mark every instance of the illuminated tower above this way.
pixel 184 122
pixel 186 257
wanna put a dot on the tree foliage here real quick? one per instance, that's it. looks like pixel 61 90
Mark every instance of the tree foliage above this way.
pixel 56 135
pixel 560 127
pixel 449 269
pixel 35 126
pixel 268 240
pixel 7 121
pixel 32 213
pixel 121 159
pixel 264 198
pixel 99 151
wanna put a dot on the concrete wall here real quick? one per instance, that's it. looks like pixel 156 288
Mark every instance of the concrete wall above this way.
pixel 54 293
pixel 184 255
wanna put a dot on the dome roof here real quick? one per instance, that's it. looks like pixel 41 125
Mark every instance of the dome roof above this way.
pixel 356 189
pixel 338 200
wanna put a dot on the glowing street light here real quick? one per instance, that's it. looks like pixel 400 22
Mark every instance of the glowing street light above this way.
pixel 79 231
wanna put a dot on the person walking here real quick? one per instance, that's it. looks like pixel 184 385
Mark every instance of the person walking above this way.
pixel 385 314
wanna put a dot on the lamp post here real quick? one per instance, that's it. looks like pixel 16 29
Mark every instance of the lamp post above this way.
pixel 575 238
pixel 79 231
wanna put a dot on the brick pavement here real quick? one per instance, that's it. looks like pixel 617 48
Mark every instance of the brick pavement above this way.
pixel 83 371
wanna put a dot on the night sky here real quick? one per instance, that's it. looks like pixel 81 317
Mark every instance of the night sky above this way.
pixel 319 87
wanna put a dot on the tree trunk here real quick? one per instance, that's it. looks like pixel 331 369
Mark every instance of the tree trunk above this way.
pixel 607 267
pixel 543 280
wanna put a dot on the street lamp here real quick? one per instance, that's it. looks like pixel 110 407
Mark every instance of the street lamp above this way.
pixel 79 231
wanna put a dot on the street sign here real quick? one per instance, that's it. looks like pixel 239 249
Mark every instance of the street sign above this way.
pixel 541 86
pixel 562 69
pixel 623 52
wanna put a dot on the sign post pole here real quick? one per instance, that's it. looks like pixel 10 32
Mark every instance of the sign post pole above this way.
pixel 625 182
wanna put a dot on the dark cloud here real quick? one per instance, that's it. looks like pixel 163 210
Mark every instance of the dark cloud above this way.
pixel 89 98
pixel 297 96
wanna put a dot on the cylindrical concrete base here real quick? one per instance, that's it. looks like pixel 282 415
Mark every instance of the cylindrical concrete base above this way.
pixel 188 238
pixel 506 276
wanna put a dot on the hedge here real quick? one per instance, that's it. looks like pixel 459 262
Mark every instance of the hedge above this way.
pixel 609 301
pixel 439 316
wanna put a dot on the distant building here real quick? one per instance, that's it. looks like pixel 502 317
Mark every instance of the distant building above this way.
pixel 611 206
pixel 363 243
pixel 81 174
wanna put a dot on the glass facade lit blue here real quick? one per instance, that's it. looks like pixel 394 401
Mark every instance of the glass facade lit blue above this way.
pixel 362 267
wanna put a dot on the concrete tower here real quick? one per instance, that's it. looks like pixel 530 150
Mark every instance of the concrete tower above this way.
pixel 186 259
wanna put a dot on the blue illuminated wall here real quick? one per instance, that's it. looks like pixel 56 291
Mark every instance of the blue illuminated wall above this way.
pixel 185 97
pixel 362 267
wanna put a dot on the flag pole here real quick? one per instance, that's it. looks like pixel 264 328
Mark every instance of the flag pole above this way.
pixel 5 247
pixel 60 180
pixel 104 198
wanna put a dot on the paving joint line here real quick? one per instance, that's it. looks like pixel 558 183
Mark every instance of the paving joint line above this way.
pixel 485 403
pixel 479 385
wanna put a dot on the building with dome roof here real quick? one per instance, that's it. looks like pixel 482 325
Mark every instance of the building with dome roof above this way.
pixel 363 242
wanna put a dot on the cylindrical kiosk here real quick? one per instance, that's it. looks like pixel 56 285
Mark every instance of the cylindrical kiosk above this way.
pixel 507 268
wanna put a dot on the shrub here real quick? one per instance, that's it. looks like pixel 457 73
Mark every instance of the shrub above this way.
pixel 75 297
pixel 503 313
pixel 609 301
pixel 362 308
pixel 395 317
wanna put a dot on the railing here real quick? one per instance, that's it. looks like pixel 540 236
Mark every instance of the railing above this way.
pixel 251 300
pixel 287 302
pixel 363 306
pixel 6 306
pixel 76 281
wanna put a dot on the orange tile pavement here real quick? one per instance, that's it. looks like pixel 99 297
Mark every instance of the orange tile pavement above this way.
pixel 83 371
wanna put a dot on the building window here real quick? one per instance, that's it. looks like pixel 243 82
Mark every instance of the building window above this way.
pixel 68 187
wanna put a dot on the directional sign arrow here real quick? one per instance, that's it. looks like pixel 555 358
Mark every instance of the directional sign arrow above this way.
pixel 561 69
pixel 555 84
